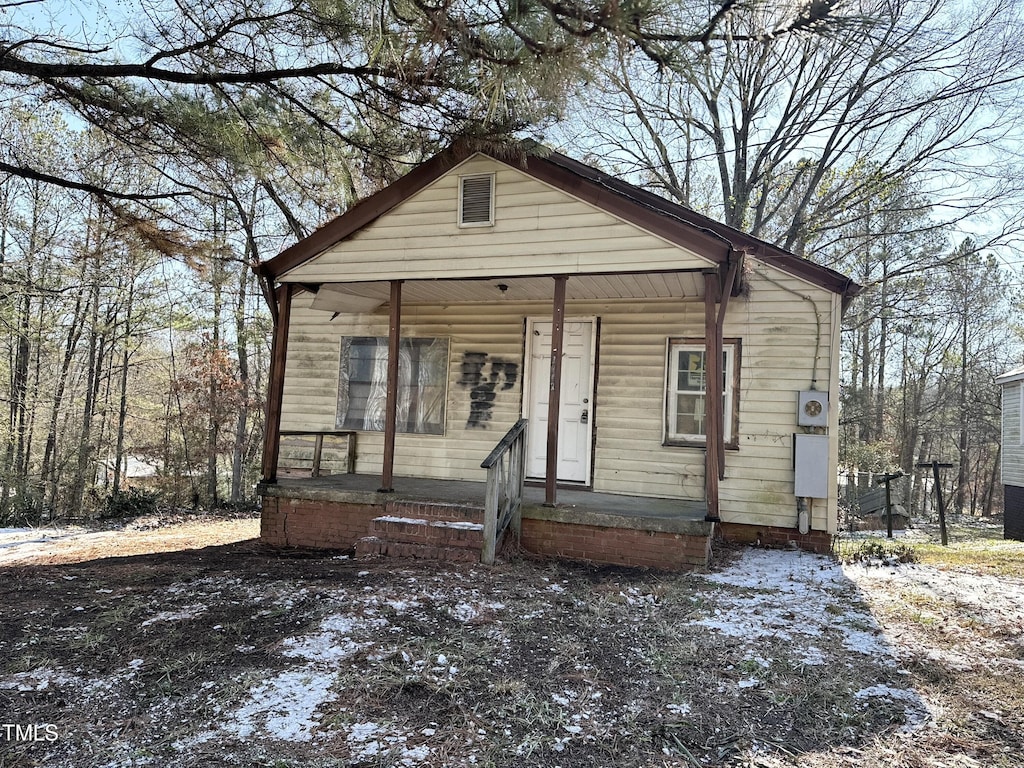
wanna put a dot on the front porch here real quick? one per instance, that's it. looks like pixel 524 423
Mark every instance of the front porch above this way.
pixel 425 517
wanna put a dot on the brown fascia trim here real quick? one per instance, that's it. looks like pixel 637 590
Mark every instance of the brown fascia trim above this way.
pixel 658 207
pixel 364 212
pixel 678 232
pixel 620 202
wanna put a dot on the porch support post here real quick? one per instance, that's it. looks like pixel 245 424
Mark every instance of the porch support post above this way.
pixel 554 391
pixel 712 393
pixel 391 404
pixel 729 284
pixel 275 387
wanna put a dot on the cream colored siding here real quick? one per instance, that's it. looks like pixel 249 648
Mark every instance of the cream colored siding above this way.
pixel 537 230
pixel 1013 450
pixel 778 330
pixel 311 382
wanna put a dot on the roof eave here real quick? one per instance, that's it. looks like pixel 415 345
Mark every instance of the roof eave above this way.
pixel 1017 374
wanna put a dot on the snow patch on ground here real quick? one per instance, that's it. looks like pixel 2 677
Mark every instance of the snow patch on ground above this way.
pixel 371 742
pixel 792 597
pixel 185 612
pixel 916 711
pixel 284 707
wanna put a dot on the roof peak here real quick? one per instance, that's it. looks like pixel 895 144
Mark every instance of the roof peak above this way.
pixel 643 208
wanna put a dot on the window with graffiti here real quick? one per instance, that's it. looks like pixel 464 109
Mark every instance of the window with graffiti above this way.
pixel 422 379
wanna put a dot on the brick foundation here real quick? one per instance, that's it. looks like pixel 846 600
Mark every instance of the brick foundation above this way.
pixel 1013 512
pixel 770 536
pixel 616 546
pixel 327 524
pixel 369 528
pixel 287 522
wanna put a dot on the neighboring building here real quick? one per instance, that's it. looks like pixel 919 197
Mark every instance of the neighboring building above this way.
pixel 1012 384
pixel 471 267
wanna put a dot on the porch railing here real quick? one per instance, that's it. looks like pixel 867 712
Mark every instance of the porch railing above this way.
pixel 298 450
pixel 506 471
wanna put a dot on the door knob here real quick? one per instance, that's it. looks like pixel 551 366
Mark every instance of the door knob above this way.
pixel 584 416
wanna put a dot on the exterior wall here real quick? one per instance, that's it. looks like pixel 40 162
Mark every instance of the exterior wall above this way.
pixel 538 230
pixel 311 382
pixel 1013 441
pixel 790 338
pixel 788 334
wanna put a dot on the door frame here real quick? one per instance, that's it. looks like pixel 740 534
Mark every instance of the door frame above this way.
pixel 528 337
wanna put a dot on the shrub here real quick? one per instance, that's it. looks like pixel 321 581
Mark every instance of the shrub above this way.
pixel 130 502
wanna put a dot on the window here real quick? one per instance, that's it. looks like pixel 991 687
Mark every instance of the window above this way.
pixel 422 378
pixel 685 416
pixel 476 200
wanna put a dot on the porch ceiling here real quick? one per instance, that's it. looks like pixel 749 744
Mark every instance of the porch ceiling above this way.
pixel 363 297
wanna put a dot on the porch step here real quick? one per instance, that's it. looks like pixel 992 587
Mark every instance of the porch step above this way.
pixel 370 546
pixel 435 510
pixel 425 538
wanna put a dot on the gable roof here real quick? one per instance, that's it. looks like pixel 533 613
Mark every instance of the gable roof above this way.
pixel 649 211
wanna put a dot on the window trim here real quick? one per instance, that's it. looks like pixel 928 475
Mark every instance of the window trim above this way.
pixel 459 211
pixel 732 391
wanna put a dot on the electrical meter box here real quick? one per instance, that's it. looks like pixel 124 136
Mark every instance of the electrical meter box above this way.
pixel 810 466
pixel 812 408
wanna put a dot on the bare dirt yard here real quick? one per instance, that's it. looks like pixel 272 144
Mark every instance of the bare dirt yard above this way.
pixel 184 642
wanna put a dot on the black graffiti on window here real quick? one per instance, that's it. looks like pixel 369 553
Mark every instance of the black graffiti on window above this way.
pixel 481 376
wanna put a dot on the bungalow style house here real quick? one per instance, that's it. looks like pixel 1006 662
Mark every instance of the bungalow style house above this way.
pixel 514 341
pixel 1012 469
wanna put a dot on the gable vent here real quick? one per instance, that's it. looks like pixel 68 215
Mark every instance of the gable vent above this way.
pixel 476 200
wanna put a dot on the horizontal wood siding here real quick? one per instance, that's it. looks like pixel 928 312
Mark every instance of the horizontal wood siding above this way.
pixel 1013 451
pixel 781 329
pixel 537 230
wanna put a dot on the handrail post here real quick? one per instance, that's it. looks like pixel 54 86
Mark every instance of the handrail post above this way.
pixel 520 481
pixel 490 518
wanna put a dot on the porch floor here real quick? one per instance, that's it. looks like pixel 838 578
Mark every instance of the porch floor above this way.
pixel 574 505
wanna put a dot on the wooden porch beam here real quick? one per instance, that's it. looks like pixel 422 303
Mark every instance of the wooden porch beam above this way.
pixel 391 403
pixel 554 391
pixel 730 277
pixel 275 387
pixel 712 393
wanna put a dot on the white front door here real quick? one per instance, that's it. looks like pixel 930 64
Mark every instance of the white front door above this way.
pixel 574 431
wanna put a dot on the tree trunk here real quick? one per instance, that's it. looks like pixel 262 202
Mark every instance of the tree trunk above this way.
pixel 242 422
pixel 85 445
pixel 122 410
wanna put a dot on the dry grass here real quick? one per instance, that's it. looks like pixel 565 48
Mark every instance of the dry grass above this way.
pixel 974 545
